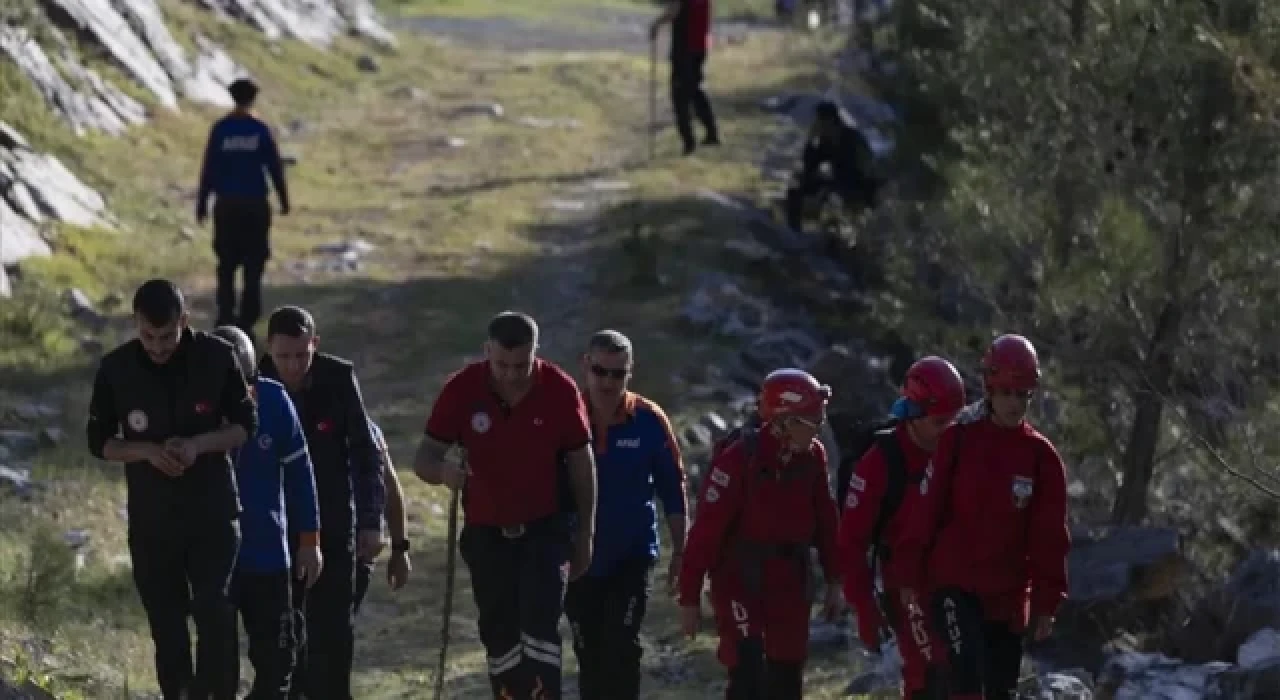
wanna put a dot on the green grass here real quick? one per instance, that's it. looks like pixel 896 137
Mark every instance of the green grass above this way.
pixel 460 233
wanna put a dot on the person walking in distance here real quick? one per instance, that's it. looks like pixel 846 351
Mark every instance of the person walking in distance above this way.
pixel 690 22
pixel 764 503
pixel 171 404
pixel 637 457
pixel 399 566
pixel 240 154
pixel 883 492
pixel 986 551
pixel 350 491
pixel 521 420
pixel 277 486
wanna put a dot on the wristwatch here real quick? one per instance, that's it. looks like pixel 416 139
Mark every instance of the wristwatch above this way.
pixel 400 546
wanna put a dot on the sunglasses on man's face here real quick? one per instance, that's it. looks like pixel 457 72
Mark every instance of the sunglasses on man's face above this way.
pixel 609 373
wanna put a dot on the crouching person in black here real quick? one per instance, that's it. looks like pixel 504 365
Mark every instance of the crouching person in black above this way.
pixel 171 404
pixel 349 488
pixel 834 141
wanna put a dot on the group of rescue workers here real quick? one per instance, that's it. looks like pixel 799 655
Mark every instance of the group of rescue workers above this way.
pixel 258 489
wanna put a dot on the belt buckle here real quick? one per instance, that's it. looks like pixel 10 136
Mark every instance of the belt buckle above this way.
pixel 511 532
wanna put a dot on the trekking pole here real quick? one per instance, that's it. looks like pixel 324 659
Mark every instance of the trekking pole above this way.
pixel 450 568
pixel 653 97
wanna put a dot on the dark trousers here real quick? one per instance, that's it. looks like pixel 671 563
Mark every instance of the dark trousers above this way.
pixel 265 601
pixel 241 226
pixel 364 574
pixel 606 613
pixel 182 569
pixel 688 96
pixel 985 656
pixel 858 194
pixel 756 677
pixel 326 628
pixel 519 584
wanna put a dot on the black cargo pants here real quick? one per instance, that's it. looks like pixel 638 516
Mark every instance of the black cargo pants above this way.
pixel 241 228
pixel 183 568
pixel 985 656
pixel 325 626
pixel 518 579
pixel 265 601
pixel 606 613
pixel 688 98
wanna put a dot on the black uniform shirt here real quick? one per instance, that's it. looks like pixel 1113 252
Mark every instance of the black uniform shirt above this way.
pixel 197 391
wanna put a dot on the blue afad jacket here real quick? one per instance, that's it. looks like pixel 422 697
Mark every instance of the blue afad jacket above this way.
pixel 274 469
pixel 637 458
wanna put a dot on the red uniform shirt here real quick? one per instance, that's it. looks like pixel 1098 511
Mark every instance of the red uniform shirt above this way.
pixel 993 522
pixel 781 511
pixel 691 29
pixel 513 451
pixel 861 510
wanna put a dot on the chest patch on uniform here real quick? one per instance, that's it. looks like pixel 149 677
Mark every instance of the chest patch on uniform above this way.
pixel 851 500
pixel 857 483
pixel 628 442
pixel 138 421
pixel 719 477
pixel 480 422
pixel 264 441
pixel 203 407
pixel 1022 490
pixel 324 425
pixel 713 494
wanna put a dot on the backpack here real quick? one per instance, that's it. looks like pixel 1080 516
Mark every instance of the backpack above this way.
pixel 897 479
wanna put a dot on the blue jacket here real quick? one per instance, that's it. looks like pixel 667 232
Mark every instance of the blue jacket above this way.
pixel 637 457
pixel 241 152
pixel 272 469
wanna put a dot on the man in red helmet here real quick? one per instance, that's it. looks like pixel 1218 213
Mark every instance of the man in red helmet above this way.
pixel 989 541
pixel 884 491
pixel 763 504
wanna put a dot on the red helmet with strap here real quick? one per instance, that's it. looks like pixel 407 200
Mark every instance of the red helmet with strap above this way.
pixel 934 387
pixel 792 392
pixel 1011 363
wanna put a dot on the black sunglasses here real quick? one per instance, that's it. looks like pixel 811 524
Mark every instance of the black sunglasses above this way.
pixel 603 372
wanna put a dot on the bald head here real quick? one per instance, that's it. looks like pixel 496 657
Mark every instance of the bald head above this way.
pixel 243 347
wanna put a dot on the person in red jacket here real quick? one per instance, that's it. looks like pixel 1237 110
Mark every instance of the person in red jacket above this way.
pixel 989 542
pixel 884 491
pixel 764 503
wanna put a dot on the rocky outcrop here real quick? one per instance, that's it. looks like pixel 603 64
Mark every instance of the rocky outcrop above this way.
pixel 36 189
pixel 313 22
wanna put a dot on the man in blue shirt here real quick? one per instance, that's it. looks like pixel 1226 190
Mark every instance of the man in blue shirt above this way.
pixel 277 491
pixel 240 153
pixel 636 457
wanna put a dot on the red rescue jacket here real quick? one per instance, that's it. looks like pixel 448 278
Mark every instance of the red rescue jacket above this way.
pixel 767 503
pixel 993 522
pixel 862 505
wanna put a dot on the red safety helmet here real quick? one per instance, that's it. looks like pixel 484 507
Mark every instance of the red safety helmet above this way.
pixel 792 392
pixel 1011 363
pixel 934 386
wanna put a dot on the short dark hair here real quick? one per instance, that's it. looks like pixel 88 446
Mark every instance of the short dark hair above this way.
pixel 293 321
pixel 609 341
pixel 159 301
pixel 243 346
pixel 512 329
pixel 243 92
pixel 827 109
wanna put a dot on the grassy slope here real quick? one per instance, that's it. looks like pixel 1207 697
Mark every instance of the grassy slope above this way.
pixel 460 233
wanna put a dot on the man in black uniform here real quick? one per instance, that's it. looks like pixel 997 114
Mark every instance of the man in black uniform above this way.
pixel 171 404
pixel 349 484
pixel 835 141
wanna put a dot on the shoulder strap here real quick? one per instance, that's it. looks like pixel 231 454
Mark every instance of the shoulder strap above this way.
pixel 895 463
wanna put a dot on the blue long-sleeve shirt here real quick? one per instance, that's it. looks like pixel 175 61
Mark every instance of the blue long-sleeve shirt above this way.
pixel 241 152
pixel 277 483
pixel 637 457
